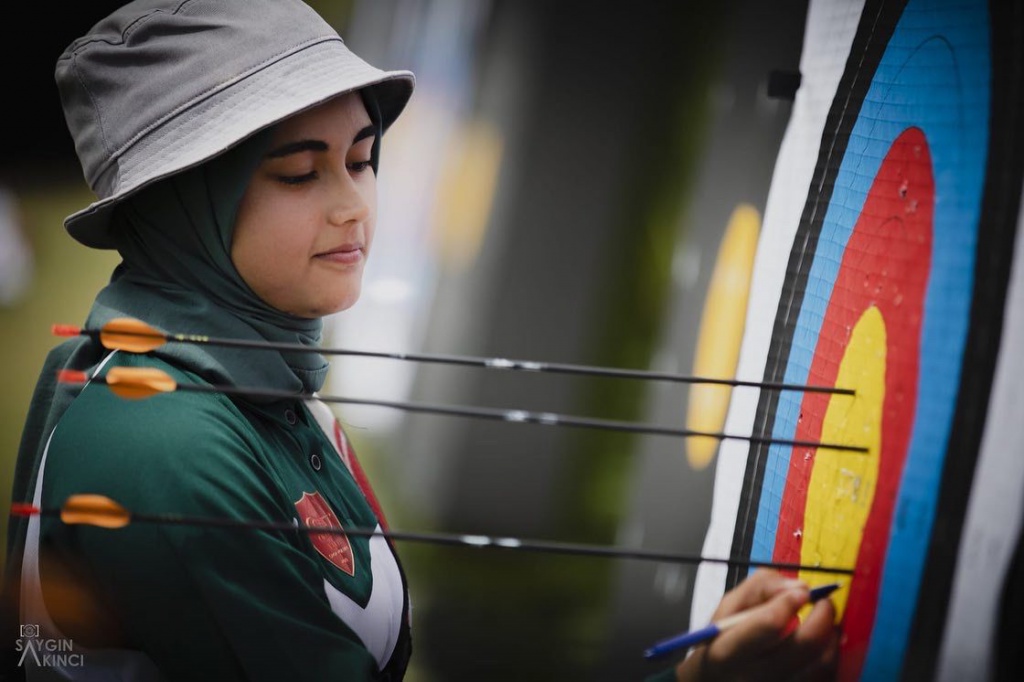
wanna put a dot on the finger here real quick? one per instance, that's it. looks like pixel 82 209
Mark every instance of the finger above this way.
pixel 827 669
pixel 758 588
pixel 763 627
pixel 771 601
pixel 810 646
pixel 709 662
pixel 809 653
pixel 827 665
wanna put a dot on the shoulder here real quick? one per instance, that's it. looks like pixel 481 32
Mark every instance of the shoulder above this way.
pixel 174 417
pixel 171 440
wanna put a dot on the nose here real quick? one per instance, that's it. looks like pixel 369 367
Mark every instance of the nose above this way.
pixel 348 203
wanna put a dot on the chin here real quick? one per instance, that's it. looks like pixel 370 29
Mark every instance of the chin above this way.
pixel 338 306
pixel 330 301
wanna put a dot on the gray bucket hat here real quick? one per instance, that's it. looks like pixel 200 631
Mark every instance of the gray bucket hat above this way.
pixel 160 86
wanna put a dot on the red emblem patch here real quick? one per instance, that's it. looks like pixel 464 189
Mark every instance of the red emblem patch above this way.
pixel 335 547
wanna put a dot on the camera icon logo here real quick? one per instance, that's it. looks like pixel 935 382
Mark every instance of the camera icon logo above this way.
pixel 30 631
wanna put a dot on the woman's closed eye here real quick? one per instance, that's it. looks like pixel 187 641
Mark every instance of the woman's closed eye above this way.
pixel 297 179
pixel 360 166
pixel 302 178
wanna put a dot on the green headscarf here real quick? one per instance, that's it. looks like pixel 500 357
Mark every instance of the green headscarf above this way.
pixel 175 241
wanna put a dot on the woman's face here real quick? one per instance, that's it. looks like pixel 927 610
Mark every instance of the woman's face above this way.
pixel 307 219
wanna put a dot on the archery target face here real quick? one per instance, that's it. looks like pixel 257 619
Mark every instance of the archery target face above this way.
pixel 890 131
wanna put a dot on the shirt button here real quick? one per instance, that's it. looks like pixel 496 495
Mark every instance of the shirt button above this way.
pixel 314 461
pixel 289 416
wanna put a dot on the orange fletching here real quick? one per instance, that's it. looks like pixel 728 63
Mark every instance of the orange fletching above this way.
pixel 94 510
pixel 131 335
pixel 136 383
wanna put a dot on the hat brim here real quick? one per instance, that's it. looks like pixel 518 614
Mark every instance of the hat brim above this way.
pixel 298 81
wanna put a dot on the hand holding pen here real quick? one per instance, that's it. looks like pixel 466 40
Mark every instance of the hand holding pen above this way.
pixel 768 642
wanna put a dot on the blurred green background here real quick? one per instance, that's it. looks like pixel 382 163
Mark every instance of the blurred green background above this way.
pixel 65 278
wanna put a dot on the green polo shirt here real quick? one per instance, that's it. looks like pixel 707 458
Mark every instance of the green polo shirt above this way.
pixel 213 603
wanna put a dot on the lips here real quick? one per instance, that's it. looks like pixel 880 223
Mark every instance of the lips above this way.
pixel 346 254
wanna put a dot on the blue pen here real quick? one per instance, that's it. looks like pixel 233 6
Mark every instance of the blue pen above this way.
pixel 695 637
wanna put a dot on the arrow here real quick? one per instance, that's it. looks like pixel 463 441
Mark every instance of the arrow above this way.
pixel 136 383
pixel 101 511
pixel 134 336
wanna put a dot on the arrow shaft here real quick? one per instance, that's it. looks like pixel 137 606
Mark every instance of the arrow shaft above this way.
pixel 484 362
pixel 525 417
pixel 471 541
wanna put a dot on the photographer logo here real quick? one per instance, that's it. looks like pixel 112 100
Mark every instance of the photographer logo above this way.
pixel 46 652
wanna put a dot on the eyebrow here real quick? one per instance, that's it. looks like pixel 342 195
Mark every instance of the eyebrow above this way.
pixel 296 147
pixel 368 131
pixel 315 145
